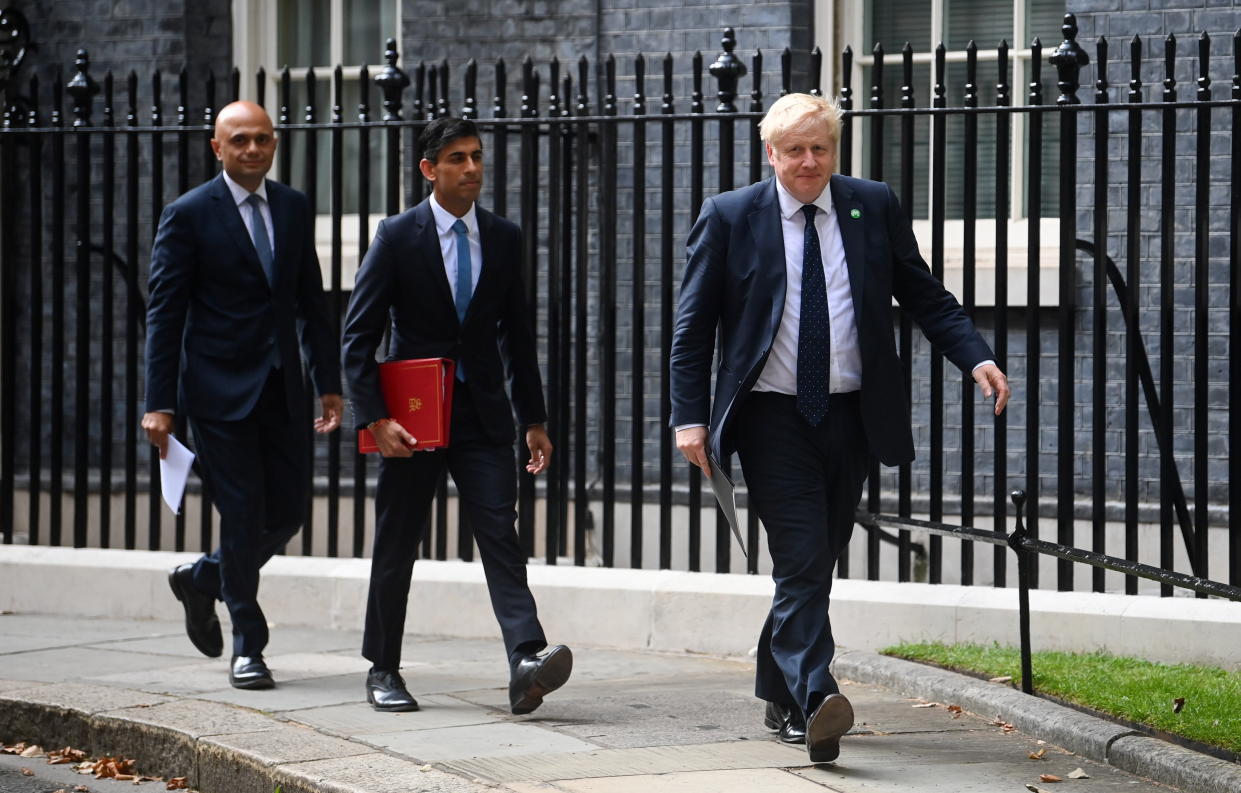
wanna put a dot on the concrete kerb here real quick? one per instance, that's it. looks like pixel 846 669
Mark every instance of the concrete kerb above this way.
pixel 221 748
pixel 1091 737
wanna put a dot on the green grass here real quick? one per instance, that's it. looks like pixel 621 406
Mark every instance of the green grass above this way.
pixel 1130 688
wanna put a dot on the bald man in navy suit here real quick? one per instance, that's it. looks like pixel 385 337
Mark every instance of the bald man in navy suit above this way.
pixel 235 290
pixel 797 275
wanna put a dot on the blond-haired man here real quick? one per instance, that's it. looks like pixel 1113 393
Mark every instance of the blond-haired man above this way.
pixel 797 273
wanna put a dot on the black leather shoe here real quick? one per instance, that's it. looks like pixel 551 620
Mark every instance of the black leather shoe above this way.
pixel 774 715
pixel 536 676
pixel 787 721
pixel 250 672
pixel 386 691
pixel 832 719
pixel 201 623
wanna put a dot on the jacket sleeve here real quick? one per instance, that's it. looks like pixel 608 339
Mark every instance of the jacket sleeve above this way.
pixel 365 322
pixel 517 340
pixel 173 260
pixel 929 303
pixel 320 342
pixel 698 314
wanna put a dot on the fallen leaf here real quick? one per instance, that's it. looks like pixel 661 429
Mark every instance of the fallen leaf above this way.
pixel 1078 774
pixel 178 783
pixel 954 708
pixel 31 751
pixel 1041 754
pixel 26 772
pixel 1035 789
pixel 927 705
pixel 426 767
pixel 1001 679
pixel 1178 704
pixel 81 789
pixel 1049 778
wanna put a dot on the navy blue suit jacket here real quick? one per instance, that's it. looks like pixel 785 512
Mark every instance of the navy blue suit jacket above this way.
pixel 735 280
pixel 402 285
pixel 212 317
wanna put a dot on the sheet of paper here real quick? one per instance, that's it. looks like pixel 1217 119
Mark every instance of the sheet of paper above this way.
pixel 174 470
pixel 722 486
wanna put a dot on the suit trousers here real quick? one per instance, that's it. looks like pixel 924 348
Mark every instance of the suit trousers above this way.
pixel 805 481
pixel 486 477
pixel 257 472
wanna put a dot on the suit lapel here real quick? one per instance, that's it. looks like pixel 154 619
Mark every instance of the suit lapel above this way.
pixel 230 221
pixel 769 249
pixel 852 237
pixel 427 239
pixel 492 256
pixel 281 218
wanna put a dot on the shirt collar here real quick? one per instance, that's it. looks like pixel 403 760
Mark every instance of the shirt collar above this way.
pixel 790 206
pixel 444 219
pixel 240 194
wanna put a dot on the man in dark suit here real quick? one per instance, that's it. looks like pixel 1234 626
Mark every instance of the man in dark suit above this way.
pixel 798 273
pixel 234 282
pixel 445 278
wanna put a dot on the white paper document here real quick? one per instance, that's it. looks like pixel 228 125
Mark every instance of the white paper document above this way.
pixel 174 470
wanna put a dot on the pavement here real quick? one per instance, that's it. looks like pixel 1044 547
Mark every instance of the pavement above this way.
pixel 628 720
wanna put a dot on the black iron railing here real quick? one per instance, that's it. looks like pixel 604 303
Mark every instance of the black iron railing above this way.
pixel 605 190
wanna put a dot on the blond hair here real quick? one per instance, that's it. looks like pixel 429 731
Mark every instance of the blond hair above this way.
pixel 795 112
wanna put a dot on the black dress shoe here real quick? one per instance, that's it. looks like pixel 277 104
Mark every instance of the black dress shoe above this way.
pixel 250 672
pixel 774 715
pixel 832 719
pixel 386 691
pixel 201 623
pixel 536 676
pixel 787 720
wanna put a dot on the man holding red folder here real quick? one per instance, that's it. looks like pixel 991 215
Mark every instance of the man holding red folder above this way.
pixel 444 278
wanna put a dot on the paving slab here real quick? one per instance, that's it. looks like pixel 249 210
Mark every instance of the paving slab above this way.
pixel 475 741
pixel 549 766
pixel 357 718
pixel 746 780
pixel 295 694
pixel 372 773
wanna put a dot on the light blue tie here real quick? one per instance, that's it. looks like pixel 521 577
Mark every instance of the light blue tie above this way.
pixel 258 232
pixel 465 280
pixel 465 275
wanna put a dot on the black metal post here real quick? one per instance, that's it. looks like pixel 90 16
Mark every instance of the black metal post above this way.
pixel 1025 564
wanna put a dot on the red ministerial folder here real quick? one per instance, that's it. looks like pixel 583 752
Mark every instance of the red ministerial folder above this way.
pixel 418 394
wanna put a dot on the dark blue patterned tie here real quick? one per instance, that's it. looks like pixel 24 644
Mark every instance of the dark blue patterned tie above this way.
pixel 814 333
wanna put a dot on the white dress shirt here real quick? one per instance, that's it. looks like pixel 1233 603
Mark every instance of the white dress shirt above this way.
pixel 448 244
pixel 845 372
pixel 240 194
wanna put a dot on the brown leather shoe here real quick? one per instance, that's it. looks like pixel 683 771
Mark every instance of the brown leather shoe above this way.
pixel 831 720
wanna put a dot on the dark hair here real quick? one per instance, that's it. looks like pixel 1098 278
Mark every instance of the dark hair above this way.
pixel 442 131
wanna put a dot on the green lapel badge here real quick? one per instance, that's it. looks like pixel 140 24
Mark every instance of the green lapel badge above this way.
pixel 855 213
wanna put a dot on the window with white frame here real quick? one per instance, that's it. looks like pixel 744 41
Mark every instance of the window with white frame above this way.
pixel 319 34
pixel 861 24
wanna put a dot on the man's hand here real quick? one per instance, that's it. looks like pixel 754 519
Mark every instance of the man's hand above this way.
pixel 540 448
pixel 393 440
pixel 992 381
pixel 692 441
pixel 333 409
pixel 158 427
